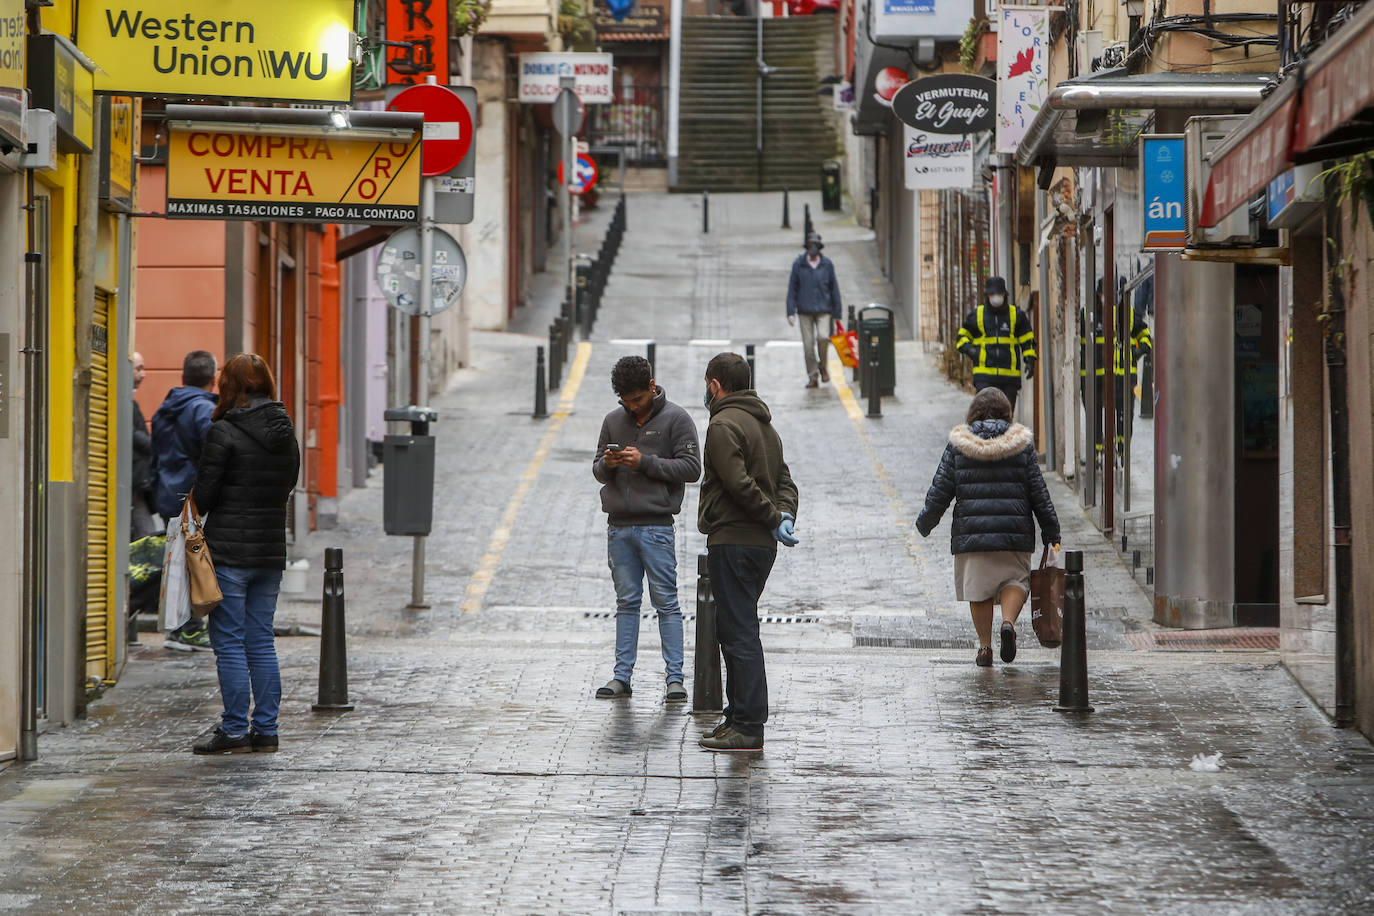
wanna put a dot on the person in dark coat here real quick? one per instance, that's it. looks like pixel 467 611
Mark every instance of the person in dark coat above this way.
pixel 992 474
pixel 141 523
pixel 813 293
pixel 247 471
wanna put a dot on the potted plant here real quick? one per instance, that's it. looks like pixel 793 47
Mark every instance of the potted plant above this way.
pixel 468 16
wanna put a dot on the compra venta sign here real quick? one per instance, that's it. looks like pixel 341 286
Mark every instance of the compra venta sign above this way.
pixel 248 49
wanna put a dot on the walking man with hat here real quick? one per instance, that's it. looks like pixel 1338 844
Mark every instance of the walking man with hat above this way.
pixel 813 294
pixel 998 337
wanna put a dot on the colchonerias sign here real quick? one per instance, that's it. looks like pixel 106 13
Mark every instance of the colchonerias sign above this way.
pixel 540 72
pixel 252 49
pixel 950 103
pixel 223 165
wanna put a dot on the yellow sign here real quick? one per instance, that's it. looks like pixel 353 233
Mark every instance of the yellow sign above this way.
pixel 117 175
pixel 229 175
pixel 256 49
pixel 12 70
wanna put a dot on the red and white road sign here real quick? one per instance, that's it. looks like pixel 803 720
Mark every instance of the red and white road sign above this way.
pixel 448 125
pixel 584 174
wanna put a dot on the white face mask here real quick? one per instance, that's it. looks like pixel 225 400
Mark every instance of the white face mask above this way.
pixel 996 300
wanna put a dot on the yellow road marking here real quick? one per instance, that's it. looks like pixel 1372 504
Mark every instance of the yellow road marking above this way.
pixel 486 569
pixel 894 500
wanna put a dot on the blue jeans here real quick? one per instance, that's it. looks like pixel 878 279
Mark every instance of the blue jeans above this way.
pixel 245 650
pixel 636 552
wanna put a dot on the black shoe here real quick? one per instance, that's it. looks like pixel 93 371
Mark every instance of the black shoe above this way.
pixel 217 742
pixel 263 744
pixel 984 657
pixel 812 383
pixel 1008 642
pixel 825 375
pixel 731 741
pixel 719 730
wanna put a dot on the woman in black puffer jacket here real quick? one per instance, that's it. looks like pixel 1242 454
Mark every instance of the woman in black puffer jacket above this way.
pixel 248 467
pixel 990 471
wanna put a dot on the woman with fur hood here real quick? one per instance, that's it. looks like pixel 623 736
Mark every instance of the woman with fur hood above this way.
pixel 989 470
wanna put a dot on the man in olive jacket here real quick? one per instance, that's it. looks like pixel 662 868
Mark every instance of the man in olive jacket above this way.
pixel 748 506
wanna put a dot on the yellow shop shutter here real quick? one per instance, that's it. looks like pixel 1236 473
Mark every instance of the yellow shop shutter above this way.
pixel 100 629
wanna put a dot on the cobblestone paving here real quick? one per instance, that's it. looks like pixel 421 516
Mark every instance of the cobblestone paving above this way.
pixel 479 775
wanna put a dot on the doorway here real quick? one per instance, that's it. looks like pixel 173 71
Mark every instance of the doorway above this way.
pixel 1257 445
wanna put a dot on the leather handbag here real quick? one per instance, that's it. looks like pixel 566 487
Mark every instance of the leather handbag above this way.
pixel 200 568
pixel 1047 602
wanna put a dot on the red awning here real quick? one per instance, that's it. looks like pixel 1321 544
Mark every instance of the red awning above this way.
pixel 1340 81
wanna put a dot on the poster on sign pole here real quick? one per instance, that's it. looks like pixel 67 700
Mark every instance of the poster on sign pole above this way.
pixel 936 161
pixel 1023 79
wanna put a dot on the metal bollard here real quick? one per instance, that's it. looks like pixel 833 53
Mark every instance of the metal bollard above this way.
pixel 875 394
pixel 853 326
pixel 333 650
pixel 555 370
pixel 806 222
pixel 786 220
pixel 541 407
pixel 749 358
pixel 1073 651
pixel 707 695
pixel 652 356
pixel 705 211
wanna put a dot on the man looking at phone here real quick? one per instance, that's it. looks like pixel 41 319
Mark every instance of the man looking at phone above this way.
pixel 646 454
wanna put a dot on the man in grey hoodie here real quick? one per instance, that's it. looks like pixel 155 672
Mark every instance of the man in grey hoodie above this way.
pixel 646 454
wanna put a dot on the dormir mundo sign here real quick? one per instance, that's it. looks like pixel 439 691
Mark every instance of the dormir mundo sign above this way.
pixel 950 103
pixel 250 49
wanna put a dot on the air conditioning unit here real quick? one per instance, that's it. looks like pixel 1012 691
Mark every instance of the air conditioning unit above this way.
pixel 1201 135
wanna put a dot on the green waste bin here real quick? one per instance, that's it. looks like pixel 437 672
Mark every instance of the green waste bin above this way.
pixel 876 320
pixel 830 184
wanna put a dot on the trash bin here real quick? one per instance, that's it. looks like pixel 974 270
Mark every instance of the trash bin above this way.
pixel 408 473
pixel 876 319
pixel 830 184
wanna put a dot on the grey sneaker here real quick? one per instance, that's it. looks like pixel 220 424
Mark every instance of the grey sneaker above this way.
pixel 732 741
pixel 182 641
pixel 717 731
pixel 676 693
pixel 613 690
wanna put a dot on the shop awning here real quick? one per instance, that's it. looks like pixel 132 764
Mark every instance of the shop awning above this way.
pixel 1094 120
pixel 1314 114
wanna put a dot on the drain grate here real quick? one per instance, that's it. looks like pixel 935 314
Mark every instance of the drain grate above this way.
pixel 912 642
pixel 1236 638
pixel 603 615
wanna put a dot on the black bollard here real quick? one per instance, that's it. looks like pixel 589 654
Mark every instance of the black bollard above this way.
pixel 541 407
pixel 749 358
pixel 806 222
pixel 707 695
pixel 875 395
pixel 651 354
pixel 555 370
pixel 853 326
pixel 1073 651
pixel 333 650
pixel 705 211
pixel 786 219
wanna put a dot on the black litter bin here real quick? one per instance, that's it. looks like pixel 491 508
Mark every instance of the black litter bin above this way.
pixel 830 184
pixel 408 473
pixel 876 320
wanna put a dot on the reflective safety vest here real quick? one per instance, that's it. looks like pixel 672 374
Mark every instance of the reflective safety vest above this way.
pixel 990 338
pixel 1141 343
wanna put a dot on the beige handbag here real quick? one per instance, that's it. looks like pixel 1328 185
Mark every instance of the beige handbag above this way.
pixel 200 569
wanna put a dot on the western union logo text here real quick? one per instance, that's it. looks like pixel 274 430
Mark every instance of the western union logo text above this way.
pixel 169 57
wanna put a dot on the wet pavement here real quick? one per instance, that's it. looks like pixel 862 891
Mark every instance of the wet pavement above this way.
pixel 478 773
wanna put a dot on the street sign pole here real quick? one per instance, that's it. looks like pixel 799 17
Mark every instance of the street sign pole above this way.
pixel 417 562
pixel 567 83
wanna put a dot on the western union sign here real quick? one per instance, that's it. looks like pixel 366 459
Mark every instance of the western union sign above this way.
pixel 254 49
pixel 301 173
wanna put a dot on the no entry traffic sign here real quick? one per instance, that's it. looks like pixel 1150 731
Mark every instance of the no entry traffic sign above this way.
pixel 584 174
pixel 448 125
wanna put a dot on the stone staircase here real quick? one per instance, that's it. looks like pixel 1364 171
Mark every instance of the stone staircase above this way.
pixel 717 147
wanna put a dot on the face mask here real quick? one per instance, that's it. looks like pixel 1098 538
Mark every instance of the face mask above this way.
pixel 812 251
pixel 996 300
pixel 706 398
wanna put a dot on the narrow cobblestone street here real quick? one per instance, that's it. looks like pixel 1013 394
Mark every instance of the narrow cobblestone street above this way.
pixel 479 774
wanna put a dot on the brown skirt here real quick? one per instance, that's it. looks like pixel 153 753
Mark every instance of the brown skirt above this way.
pixel 982 576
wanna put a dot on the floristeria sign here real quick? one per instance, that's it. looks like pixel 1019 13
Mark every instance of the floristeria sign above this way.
pixel 255 49
pixel 227 170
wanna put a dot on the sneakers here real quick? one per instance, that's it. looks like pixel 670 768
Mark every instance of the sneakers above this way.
pixel 812 382
pixel 262 744
pixel 613 690
pixel 984 657
pixel 217 742
pixel 188 640
pixel 1008 641
pixel 825 374
pixel 718 730
pixel 731 741
pixel 675 693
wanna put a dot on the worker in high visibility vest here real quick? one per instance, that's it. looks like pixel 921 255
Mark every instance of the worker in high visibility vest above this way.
pixel 999 338
pixel 1124 369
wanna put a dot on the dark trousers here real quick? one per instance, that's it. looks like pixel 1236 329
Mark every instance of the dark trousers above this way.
pixel 738 574
pixel 1011 387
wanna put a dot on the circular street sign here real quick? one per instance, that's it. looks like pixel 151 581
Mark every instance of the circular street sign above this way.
pixel 949 103
pixel 584 174
pixel 398 271
pixel 448 125
pixel 568 112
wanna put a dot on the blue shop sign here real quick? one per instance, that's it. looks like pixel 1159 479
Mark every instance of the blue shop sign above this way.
pixel 1164 191
pixel 1280 196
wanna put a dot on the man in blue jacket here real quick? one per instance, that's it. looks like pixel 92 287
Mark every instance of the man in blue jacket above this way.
pixel 814 294
pixel 180 426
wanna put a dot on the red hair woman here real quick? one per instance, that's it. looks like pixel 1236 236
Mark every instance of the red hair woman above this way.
pixel 248 468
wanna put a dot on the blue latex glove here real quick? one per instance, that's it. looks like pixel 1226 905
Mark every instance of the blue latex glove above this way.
pixel 784 533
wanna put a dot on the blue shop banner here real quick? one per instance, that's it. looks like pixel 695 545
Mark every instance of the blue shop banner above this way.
pixel 1164 191
pixel 897 7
